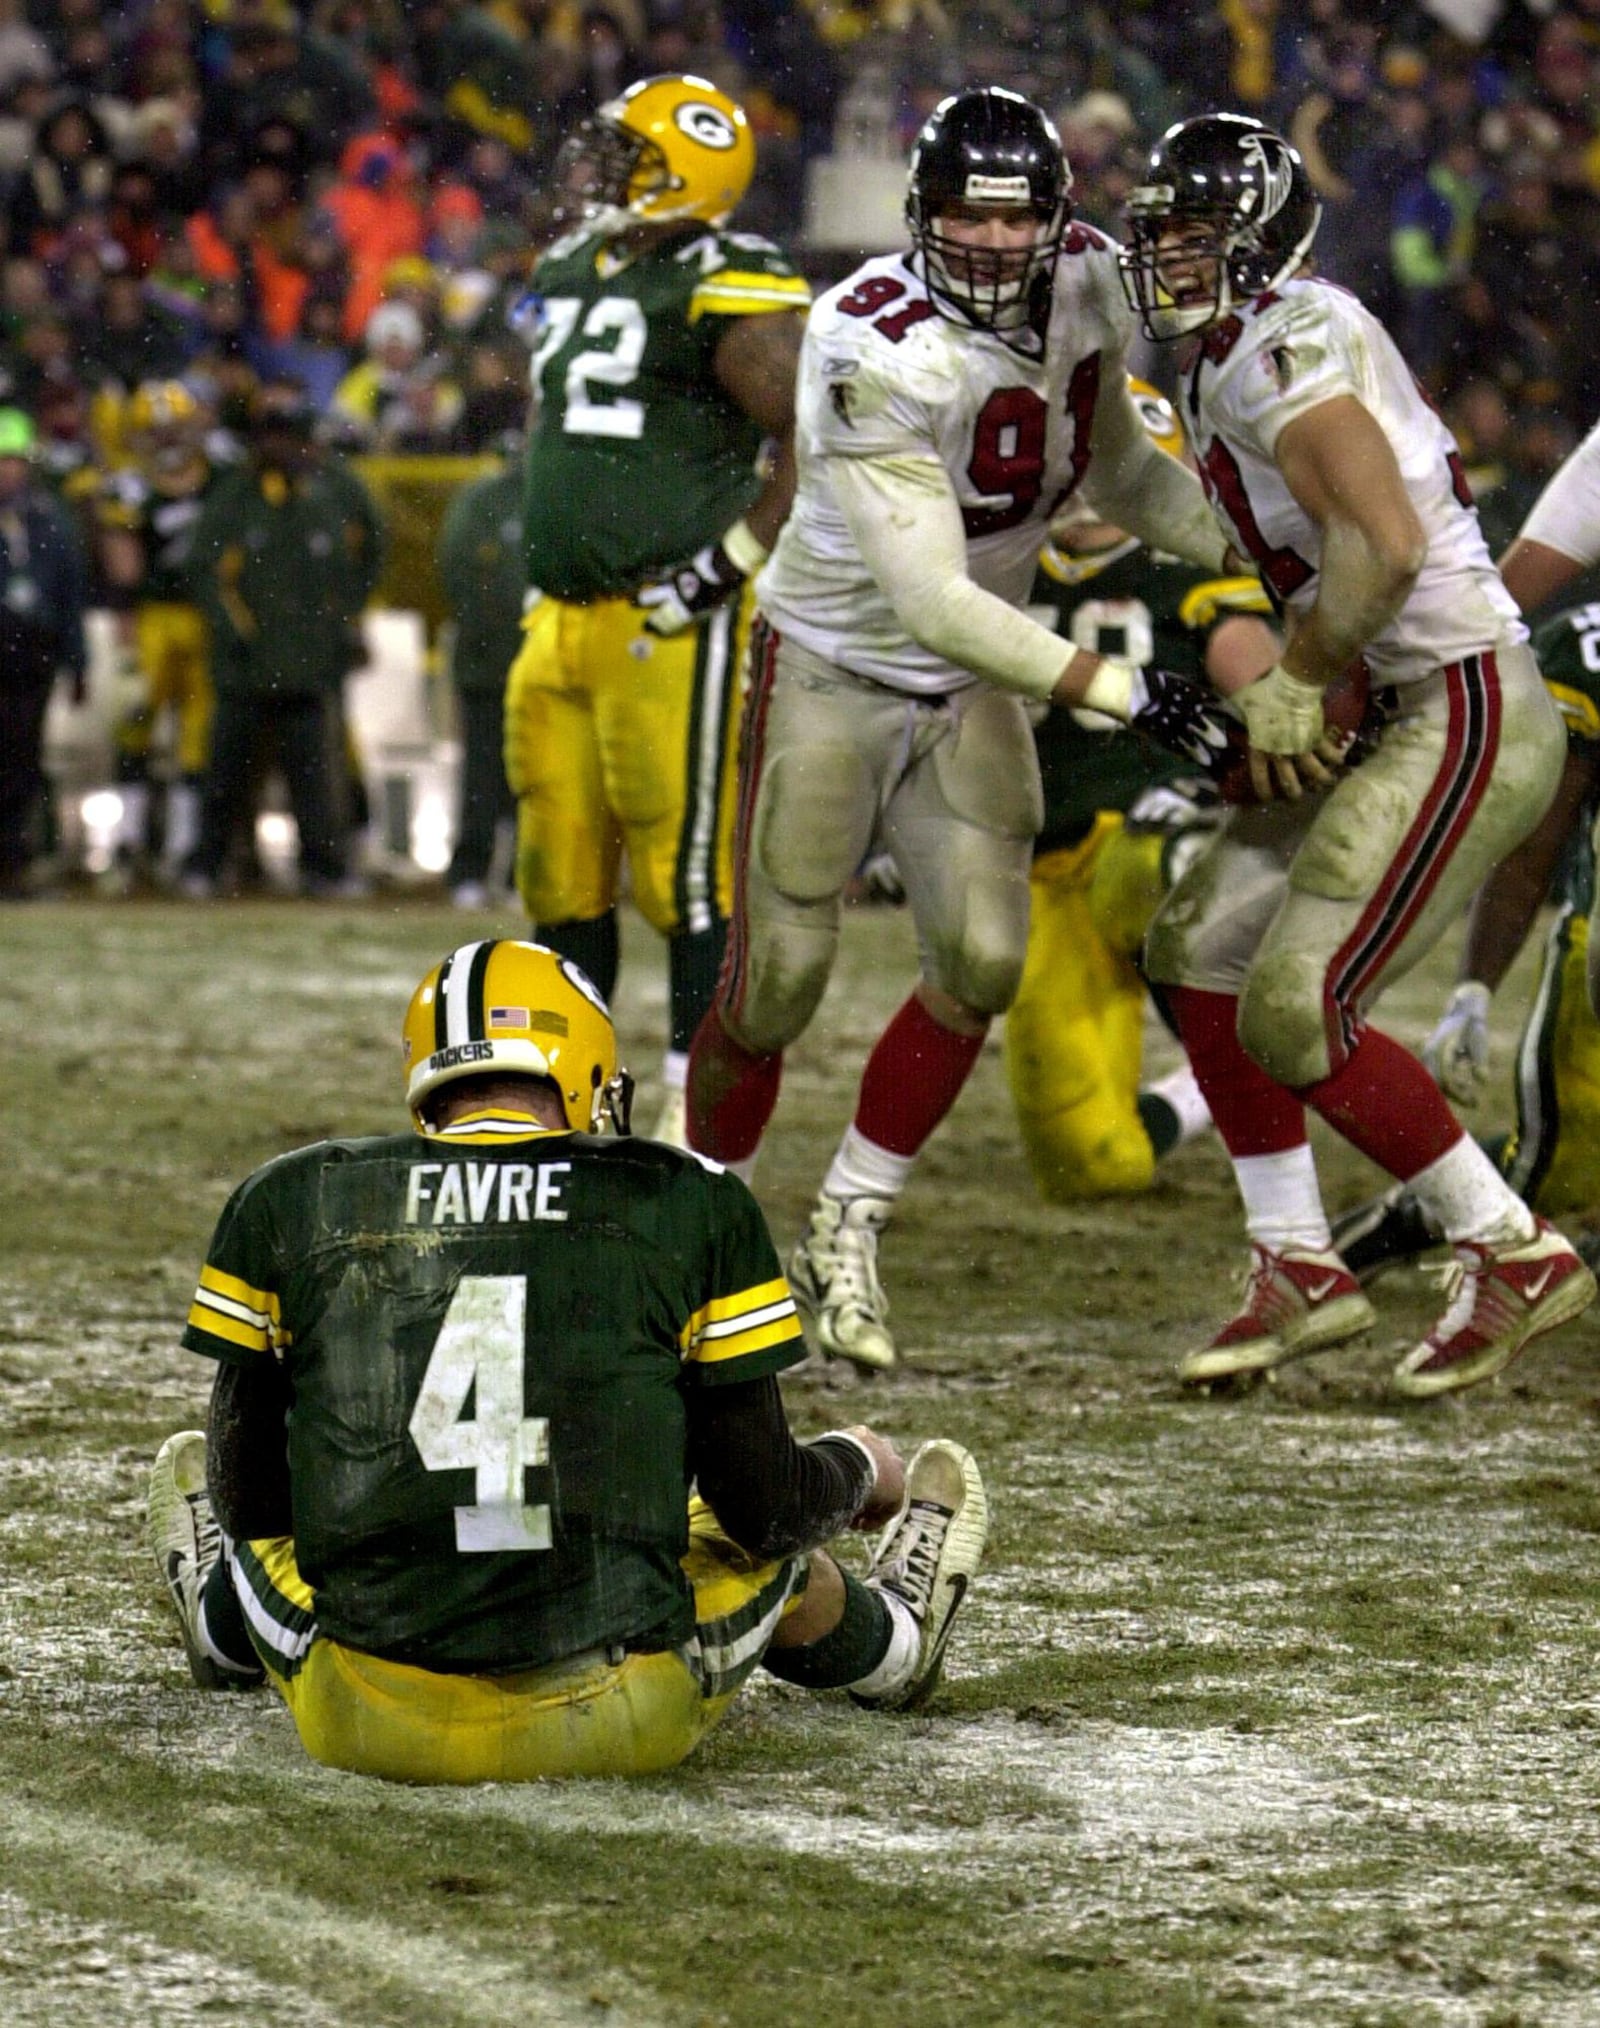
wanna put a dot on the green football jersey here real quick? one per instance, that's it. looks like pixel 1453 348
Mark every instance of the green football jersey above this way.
pixel 1568 647
pixel 1146 608
pixel 489 1334
pixel 639 457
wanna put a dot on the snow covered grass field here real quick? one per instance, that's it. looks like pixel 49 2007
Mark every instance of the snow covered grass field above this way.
pixel 1274 1710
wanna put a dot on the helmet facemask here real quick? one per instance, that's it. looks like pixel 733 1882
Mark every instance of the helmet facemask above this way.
pixel 1240 225
pixel 606 178
pixel 994 288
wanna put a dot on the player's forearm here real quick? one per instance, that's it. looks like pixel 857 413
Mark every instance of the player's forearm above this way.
pixel 1152 496
pixel 907 526
pixel 774 1496
pixel 1365 580
pixel 247 1457
pixel 769 510
pixel 1535 571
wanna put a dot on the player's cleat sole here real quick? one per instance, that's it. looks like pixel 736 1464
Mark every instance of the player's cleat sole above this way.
pixel 1502 1299
pixel 927 1556
pixel 1294 1304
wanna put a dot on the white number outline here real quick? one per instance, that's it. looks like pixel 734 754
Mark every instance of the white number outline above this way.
pixel 617 366
pixel 481 1343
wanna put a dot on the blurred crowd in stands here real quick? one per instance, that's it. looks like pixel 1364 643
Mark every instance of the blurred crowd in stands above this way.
pixel 346 196
pixel 347 192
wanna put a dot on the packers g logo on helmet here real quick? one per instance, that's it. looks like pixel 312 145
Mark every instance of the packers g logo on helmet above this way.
pixel 505 1006
pixel 1160 418
pixel 668 149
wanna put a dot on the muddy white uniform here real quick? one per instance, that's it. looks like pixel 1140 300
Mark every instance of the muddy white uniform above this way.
pixel 1306 910
pixel 856 729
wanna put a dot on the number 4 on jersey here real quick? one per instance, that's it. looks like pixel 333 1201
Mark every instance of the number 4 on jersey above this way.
pixel 481 1346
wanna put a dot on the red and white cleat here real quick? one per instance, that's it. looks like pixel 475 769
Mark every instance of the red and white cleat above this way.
pixel 1501 1299
pixel 1294 1303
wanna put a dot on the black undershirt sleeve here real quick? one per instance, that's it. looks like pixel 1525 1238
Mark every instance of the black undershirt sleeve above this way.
pixel 774 1496
pixel 247 1450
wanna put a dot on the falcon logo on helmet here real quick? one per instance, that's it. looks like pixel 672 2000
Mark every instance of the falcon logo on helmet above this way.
pixel 670 149
pixel 989 150
pixel 1225 213
pixel 521 1010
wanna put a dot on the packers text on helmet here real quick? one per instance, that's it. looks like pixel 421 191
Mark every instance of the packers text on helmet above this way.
pixel 516 1009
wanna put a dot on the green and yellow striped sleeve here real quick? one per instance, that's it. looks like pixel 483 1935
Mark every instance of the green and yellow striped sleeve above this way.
pixel 735 292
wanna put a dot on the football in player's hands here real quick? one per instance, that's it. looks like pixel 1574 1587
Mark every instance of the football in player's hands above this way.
pixel 1349 710
pixel 1189 719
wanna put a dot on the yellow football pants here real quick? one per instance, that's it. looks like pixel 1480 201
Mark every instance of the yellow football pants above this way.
pixel 174 653
pixel 1553 1157
pixel 617 741
pixel 1074 1034
pixel 593 1715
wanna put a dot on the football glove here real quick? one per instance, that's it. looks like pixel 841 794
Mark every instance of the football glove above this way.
pixel 679 598
pixel 1457 1052
pixel 1282 713
pixel 1184 717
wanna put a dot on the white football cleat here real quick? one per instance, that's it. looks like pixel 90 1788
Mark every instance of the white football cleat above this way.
pixel 1295 1302
pixel 834 1275
pixel 927 1556
pixel 1501 1299
pixel 185 1540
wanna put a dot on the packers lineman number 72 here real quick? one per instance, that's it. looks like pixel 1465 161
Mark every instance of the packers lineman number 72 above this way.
pixel 480 1344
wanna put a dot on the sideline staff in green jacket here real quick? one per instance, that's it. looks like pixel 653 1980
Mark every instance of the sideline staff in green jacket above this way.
pixel 481 570
pixel 285 556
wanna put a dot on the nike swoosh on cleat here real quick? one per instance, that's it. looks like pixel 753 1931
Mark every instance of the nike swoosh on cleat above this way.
pixel 1536 1289
pixel 1316 1294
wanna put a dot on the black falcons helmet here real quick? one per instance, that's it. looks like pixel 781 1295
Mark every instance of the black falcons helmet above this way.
pixel 989 149
pixel 1248 188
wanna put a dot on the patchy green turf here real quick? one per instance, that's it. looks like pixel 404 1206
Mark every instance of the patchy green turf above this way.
pixel 1276 1710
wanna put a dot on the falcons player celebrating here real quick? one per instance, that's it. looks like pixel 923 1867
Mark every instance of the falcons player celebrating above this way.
pixel 1325 462
pixel 950 400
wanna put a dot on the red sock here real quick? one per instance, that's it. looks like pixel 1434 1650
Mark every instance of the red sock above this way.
pixel 731 1092
pixel 1384 1102
pixel 912 1079
pixel 1254 1114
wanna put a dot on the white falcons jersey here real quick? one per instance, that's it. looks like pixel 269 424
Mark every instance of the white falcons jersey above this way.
pixel 1291 350
pixel 1566 515
pixel 883 374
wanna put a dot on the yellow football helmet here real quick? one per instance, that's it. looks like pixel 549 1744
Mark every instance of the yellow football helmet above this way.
pixel 668 149
pixel 166 429
pixel 516 1007
pixel 1159 417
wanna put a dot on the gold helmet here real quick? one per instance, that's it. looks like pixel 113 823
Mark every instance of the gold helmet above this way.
pixel 668 149
pixel 1159 417
pixel 166 429
pixel 520 1009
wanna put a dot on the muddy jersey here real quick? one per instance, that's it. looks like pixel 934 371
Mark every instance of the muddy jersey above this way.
pixel 1144 607
pixel 1288 352
pixel 489 1335
pixel 884 375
